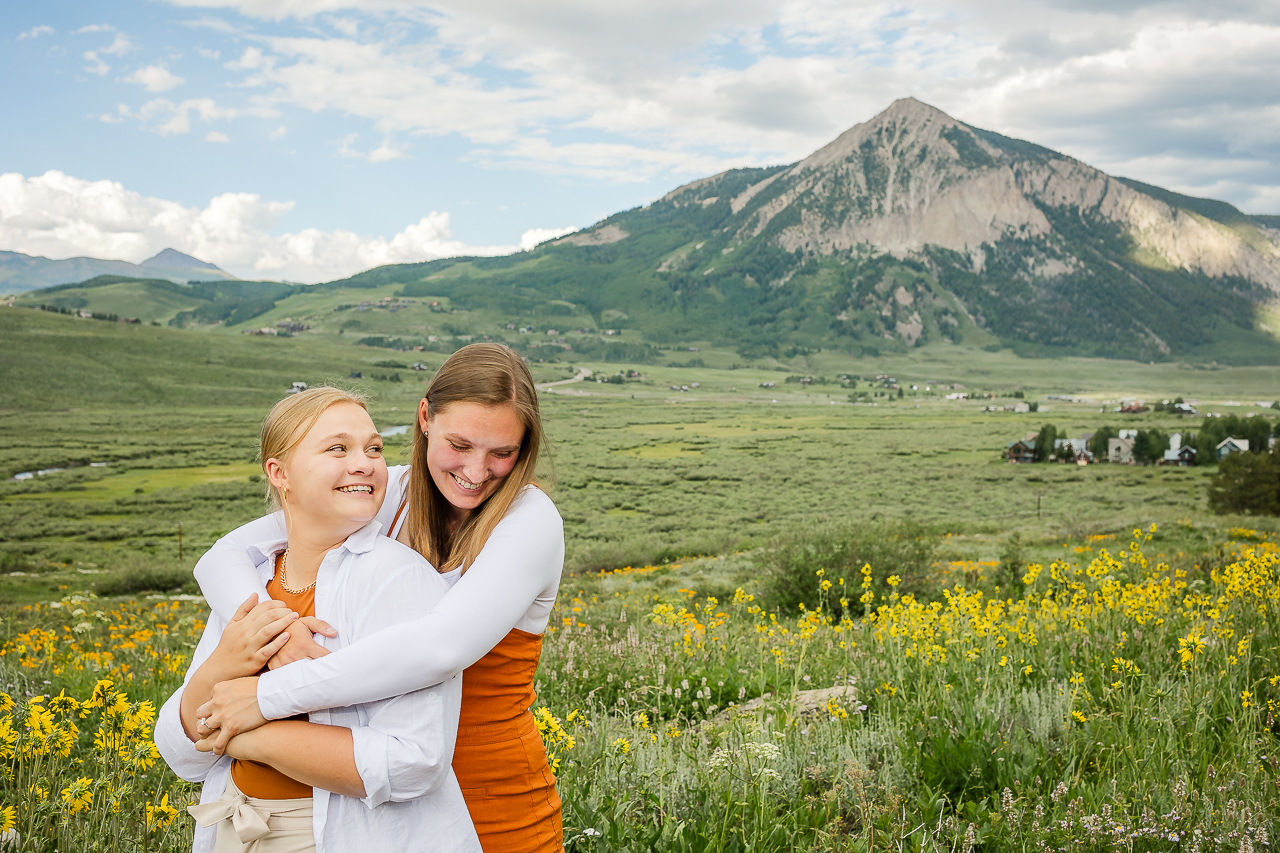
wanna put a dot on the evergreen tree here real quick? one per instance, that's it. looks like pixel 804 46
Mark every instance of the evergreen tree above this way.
pixel 1246 483
pixel 1098 443
pixel 1149 446
pixel 1044 443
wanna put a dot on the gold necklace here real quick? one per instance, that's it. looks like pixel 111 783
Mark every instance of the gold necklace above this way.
pixel 284 561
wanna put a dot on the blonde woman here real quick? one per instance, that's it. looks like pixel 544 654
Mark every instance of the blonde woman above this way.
pixel 468 504
pixel 367 776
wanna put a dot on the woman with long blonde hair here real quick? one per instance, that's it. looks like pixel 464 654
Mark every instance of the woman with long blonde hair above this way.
pixel 468 503
pixel 374 775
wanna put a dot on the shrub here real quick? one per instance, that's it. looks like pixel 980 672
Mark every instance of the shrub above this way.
pixel 790 563
pixel 1246 483
pixel 147 579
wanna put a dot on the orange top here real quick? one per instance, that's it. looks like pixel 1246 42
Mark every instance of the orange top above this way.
pixel 499 759
pixel 253 778
pixel 498 689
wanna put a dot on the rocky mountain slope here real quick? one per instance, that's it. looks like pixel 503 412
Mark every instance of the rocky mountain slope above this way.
pixel 917 226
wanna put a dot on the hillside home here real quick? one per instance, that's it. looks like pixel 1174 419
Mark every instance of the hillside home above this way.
pixel 1079 450
pixel 1232 445
pixel 298 388
pixel 1185 409
pixel 1183 457
pixel 1120 450
pixel 1023 450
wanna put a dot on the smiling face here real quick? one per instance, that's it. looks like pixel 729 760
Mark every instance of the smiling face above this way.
pixel 335 475
pixel 471 449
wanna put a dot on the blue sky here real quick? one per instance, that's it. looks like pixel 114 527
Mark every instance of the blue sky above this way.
pixel 309 140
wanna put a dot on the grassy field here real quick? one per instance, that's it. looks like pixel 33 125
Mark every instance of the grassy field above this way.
pixel 1016 665
pixel 636 481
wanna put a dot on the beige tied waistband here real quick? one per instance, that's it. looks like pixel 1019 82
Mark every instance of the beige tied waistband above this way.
pixel 253 818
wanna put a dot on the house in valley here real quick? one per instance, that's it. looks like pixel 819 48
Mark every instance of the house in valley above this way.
pixel 1232 445
pixel 1120 450
pixel 1023 450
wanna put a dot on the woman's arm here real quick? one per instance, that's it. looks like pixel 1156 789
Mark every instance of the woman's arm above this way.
pixel 316 755
pixel 520 563
pixel 395 749
pixel 521 560
pixel 254 634
pixel 226 573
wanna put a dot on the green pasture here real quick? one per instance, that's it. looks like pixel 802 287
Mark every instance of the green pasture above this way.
pixel 638 481
pixel 705 733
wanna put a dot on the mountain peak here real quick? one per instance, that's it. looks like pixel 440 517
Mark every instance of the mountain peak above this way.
pixel 905 120
pixel 173 259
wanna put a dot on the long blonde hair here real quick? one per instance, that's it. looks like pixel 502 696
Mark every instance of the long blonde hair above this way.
pixel 491 375
pixel 290 419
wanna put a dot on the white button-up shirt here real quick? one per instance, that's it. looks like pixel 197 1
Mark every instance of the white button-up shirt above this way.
pixel 403 745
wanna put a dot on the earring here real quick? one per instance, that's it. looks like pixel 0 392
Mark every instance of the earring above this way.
pixel 286 495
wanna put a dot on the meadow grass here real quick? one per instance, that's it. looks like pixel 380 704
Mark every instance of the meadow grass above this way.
pixel 1078 686
pixel 635 482
pixel 1111 701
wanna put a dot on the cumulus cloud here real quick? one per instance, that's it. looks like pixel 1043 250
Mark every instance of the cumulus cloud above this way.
pixel 36 32
pixel 216 136
pixel 533 85
pixel 155 78
pixel 58 215
pixel 535 236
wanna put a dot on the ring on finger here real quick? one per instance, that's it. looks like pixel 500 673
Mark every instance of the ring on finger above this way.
pixel 202 723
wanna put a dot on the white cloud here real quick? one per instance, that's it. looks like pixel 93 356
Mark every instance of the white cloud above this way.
pixel 119 46
pixel 667 89
pixel 216 136
pixel 166 117
pixel 278 133
pixel 155 78
pixel 531 238
pixel 58 215
pixel 97 66
pixel 36 32
pixel 384 152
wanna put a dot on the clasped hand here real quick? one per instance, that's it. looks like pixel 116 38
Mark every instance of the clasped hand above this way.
pixel 259 634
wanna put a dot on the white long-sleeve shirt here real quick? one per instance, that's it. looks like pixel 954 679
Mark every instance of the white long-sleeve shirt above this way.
pixel 512 584
pixel 403 746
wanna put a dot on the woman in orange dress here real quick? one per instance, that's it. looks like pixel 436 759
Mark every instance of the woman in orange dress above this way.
pixel 468 503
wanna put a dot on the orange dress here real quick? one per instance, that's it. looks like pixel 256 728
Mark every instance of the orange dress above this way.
pixel 500 761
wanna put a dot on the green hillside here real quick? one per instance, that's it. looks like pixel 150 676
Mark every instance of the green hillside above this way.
pixel 160 300
pixel 51 360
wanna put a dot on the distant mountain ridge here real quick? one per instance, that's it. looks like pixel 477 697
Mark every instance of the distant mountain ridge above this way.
pixel 907 230
pixel 20 273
